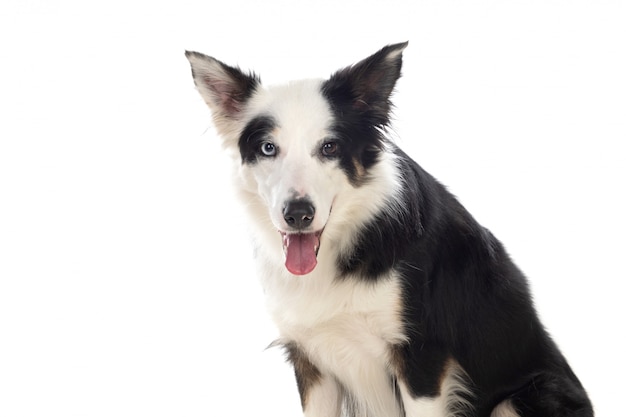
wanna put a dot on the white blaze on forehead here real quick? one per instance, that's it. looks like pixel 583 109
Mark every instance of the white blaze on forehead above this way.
pixel 299 109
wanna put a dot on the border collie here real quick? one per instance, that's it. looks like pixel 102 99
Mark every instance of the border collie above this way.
pixel 390 299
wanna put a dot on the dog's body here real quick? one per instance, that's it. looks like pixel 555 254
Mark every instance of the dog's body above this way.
pixel 391 300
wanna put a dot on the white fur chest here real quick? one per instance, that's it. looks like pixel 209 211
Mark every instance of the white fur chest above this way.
pixel 303 306
pixel 344 326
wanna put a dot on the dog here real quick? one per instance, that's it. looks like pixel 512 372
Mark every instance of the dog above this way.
pixel 390 299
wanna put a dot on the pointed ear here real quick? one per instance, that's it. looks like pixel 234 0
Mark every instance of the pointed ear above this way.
pixel 367 85
pixel 225 89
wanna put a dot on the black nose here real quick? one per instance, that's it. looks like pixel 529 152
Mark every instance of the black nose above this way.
pixel 299 213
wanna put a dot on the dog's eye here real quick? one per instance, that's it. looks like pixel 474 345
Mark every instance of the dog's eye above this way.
pixel 330 149
pixel 268 149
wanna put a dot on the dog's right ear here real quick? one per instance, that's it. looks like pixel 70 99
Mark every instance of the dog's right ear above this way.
pixel 225 89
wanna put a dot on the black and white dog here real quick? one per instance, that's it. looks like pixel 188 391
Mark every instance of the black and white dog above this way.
pixel 391 300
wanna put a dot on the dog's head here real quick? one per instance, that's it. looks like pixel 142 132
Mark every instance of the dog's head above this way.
pixel 308 148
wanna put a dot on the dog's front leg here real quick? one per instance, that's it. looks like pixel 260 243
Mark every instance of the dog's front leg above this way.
pixel 322 399
pixel 320 394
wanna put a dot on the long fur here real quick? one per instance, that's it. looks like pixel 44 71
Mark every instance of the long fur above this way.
pixel 390 298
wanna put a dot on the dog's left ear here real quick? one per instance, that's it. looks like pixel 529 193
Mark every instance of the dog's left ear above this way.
pixel 367 85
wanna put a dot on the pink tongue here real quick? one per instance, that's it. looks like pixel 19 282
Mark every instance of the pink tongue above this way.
pixel 301 251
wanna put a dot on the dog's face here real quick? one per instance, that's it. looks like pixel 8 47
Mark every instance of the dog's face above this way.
pixel 307 149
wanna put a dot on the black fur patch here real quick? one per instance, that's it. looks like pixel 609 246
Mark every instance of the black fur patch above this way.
pixel 254 134
pixel 463 299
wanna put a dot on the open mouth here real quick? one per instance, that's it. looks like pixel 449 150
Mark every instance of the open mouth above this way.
pixel 301 251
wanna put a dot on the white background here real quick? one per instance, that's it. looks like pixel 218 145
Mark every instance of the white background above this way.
pixel 126 287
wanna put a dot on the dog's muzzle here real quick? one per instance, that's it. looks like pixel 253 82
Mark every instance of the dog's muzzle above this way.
pixel 300 246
